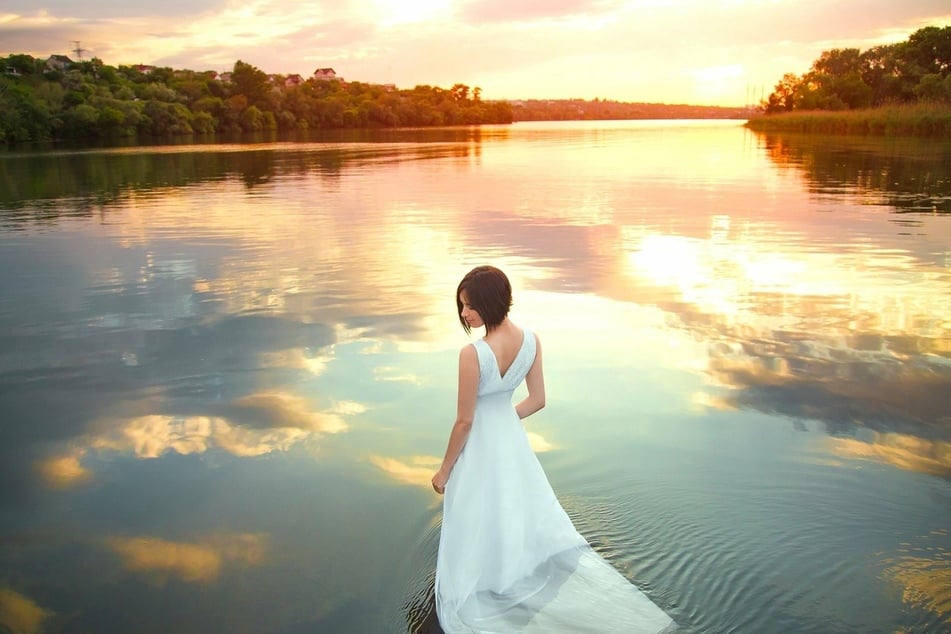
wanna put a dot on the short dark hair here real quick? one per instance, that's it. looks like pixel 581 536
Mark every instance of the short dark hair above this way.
pixel 489 293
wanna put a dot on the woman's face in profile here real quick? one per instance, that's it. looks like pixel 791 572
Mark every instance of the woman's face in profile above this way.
pixel 469 314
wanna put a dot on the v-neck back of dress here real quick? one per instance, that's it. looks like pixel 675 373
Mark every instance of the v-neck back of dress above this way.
pixel 491 377
pixel 498 365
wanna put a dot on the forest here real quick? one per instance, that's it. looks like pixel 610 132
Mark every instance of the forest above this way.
pixel 57 98
pixel 913 71
pixel 603 109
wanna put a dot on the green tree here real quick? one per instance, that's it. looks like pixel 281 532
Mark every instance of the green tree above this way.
pixel 930 50
pixel 250 82
pixel 849 78
pixel 881 71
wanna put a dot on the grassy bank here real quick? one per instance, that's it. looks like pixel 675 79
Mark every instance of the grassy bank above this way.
pixel 924 119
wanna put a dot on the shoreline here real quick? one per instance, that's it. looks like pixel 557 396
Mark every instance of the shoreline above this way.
pixel 920 120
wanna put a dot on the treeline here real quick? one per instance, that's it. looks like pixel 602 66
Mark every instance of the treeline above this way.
pixel 916 70
pixel 59 99
pixel 604 110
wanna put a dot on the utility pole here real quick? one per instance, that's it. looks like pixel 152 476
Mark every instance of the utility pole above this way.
pixel 78 50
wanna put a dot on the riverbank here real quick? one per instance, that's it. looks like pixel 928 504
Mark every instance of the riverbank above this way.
pixel 923 120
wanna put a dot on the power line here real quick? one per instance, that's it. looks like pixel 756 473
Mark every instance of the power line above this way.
pixel 78 50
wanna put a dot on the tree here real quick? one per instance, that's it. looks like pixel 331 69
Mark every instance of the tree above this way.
pixel 930 49
pixel 782 99
pixel 250 82
pixel 848 78
pixel 880 68
pixel 460 92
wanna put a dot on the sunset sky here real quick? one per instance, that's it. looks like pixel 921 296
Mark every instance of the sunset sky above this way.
pixel 717 52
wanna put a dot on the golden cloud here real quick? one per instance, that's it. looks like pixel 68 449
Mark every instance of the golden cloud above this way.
pixel 901 450
pixel 418 471
pixel 193 562
pixel 256 425
pixel 19 614
pixel 61 472
pixel 283 410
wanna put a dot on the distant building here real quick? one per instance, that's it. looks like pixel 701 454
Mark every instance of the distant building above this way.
pixel 293 80
pixel 225 77
pixel 58 62
pixel 145 69
pixel 389 87
pixel 326 74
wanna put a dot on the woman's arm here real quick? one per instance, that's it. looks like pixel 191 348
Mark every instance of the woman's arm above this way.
pixel 535 380
pixel 465 410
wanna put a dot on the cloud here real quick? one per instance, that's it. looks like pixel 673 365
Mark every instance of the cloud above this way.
pixel 638 50
pixel 901 450
pixel 278 410
pixel 418 471
pixel 192 562
pixel 489 11
pixel 393 374
pixel 20 614
pixel 253 425
pixel 65 471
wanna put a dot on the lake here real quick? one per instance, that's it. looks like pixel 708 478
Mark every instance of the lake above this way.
pixel 228 371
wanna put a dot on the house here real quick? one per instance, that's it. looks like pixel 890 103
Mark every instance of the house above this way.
pixel 225 77
pixel 326 74
pixel 58 62
pixel 293 80
pixel 145 69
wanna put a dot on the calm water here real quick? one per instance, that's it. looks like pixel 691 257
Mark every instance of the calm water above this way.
pixel 227 372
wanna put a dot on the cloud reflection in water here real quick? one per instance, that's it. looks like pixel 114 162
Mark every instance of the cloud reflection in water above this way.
pixel 20 614
pixel 901 450
pixel 252 425
pixel 194 562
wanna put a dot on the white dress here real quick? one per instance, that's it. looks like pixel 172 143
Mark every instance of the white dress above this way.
pixel 510 559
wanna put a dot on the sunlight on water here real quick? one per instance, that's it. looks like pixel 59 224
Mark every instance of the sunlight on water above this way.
pixel 227 372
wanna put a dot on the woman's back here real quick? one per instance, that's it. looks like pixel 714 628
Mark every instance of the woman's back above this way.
pixel 505 343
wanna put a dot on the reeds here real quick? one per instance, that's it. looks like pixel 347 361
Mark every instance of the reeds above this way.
pixel 925 119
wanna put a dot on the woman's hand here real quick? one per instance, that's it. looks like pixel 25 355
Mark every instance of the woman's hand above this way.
pixel 439 481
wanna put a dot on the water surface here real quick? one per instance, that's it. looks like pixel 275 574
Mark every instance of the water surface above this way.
pixel 227 371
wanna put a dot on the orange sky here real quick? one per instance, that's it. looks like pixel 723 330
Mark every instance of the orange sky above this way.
pixel 718 52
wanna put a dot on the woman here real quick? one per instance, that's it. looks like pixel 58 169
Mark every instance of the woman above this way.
pixel 510 559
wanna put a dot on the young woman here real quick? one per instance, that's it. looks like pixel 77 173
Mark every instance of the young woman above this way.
pixel 510 559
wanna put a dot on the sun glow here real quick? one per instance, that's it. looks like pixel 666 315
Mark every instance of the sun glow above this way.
pixel 396 13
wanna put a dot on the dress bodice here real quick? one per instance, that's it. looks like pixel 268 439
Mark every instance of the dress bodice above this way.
pixel 491 379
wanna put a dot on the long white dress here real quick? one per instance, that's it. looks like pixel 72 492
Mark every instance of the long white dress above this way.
pixel 510 559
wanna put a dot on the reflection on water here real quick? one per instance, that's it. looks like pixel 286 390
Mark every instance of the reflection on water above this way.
pixel 191 562
pixel 227 371
pixel 910 176
pixel 902 450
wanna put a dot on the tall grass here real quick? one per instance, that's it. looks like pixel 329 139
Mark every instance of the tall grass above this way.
pixel 921 119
